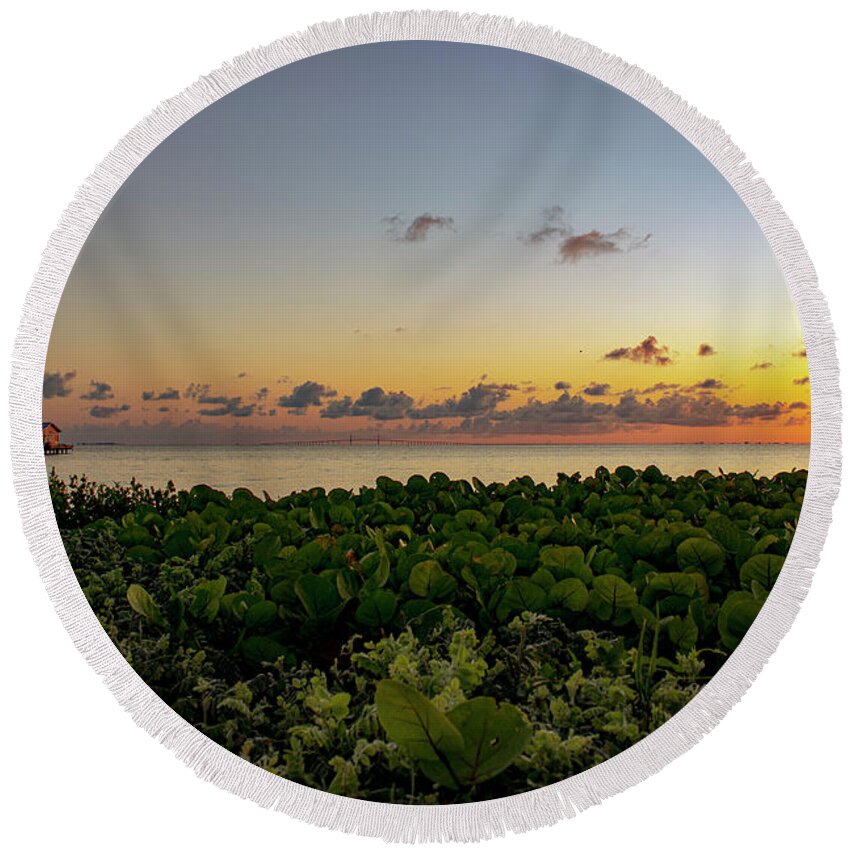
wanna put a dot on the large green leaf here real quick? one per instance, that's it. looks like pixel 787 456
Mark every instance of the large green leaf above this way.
pixel 519 594
pixel 429 579
pixel 762 568
pixel 376 608
pixel 611 599
pixel 736 616
pixel 318 596
pixel 493 737
pixel 566 562
pixel 569 593
pixel 699 553
pixel 413 722
pixel 142 603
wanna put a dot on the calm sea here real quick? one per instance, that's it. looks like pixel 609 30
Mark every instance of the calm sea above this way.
pixel 281 469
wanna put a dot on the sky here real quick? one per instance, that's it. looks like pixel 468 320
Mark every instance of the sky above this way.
pixel 452 241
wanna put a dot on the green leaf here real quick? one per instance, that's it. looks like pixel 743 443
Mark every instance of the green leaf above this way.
pixel 259 648
pixel 376 608
pixel 142 603
pixel 261 614
pixel 413 722
pixel 429 579
pixel 699 553
pixel 569 593
pixel 318 596
pixel 493 737
pixel 764 569
pixel 611 599
pixel 566 562
pixel 736 616
pixel 520 594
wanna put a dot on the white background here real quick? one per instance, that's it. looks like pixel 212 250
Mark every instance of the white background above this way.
pixel 77 77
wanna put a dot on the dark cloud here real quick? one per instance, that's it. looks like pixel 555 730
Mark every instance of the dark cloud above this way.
pixel 594 389
pixel 226 406
pixel 706 350
pixel 709 384
pixel 480 400
pixel 163 409
pixel 55 384
pixel 798 405
pixel 107 411
pixel 763 410
pixel 98 391
pixel 648 351
pixel 195 390
pixel 308 394
pixel 262 393
pixel 168 394
pixel 800 353
pixel 757 366
pixel 417 230
pixel 655 388
pixel 375 403
pixel 563 385
pixel 801 381
pixel 242 375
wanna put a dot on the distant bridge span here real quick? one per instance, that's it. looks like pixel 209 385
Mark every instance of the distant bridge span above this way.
pixel 372 441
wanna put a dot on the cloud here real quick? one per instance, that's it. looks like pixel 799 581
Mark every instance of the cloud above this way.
pixel 594 389
pixel 196 390
pixel 801 353
pixel 262 393
pixel 801 381
pixel 572 246
pixel 168 394
pixel 107 411
pixel 655 388
pixel 375 403
pixel 706 350
pixel 98 391
pixel 308 394
pixel 163 409
pixel 763 410
pixel 400 330
pixel 757 366
pixel 563 385
pixel 242 375
pixel 55 384
pixel 798 405
pixel 480 400
pixel 648 351
pixel 709 384
pixel 226 406
pixel 417 230
pixel 594 243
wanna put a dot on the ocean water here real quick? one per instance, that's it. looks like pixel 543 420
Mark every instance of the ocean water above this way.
pixel 279 470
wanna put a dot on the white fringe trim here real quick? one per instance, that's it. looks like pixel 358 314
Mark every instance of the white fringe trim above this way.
pixel 471 821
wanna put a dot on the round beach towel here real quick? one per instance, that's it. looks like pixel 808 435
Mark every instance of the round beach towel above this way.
pixel 437 425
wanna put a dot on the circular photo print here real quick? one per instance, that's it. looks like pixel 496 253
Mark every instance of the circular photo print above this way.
pixel 426 422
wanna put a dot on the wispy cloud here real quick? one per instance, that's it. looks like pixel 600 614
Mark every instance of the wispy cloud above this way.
pixel 417 230
pixel 760 366
pixel 572 246
pixel 801 381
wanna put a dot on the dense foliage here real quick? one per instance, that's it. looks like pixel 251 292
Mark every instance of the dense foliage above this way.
pixel 438 640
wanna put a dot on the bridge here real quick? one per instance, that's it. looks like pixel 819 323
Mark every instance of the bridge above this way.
pixel 370 441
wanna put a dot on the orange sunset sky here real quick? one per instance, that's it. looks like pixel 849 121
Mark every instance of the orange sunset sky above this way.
pixel 454 241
